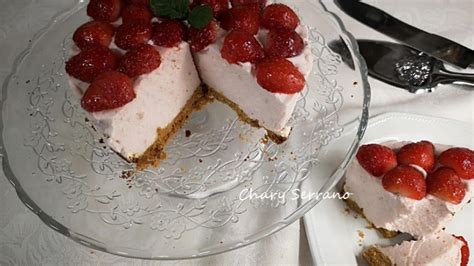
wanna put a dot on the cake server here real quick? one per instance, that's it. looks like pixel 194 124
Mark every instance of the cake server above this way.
pixel 408 68
pixel 433 45
pixel 402 66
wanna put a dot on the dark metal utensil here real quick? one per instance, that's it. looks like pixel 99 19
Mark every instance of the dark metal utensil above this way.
pixel 434 45
pixel 405 67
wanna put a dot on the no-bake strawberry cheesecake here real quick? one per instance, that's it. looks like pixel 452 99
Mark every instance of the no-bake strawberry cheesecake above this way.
pixel 436 249
pixel 141 67
pixel 414 188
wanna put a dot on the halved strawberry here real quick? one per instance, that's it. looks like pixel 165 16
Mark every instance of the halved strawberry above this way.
pixel 283 43
pixel 279 16
pixel 241 46
pixel 140 60
pixel 245 18
pixel 136 13
pixel 133 34
pixel 406 181
pixel 200 39
pixel 138 2
pixel 109 90
pixel 93 33
pixel 217 6
pixel 262 3
pixel 91 62
pixel 420 153
pixel 461 160
pixel 279 75
pixel 104 10
pixel 464 251
pixel 169 33
pixel 445 184
pixel 376 159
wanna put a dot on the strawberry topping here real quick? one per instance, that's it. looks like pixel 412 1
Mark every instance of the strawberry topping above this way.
pixel 464 251
pixel 109 90
pixel 279 16
pixel 169 33
pixel 445 184
pixel 245 18
pixel 91 62
pixel 459 159
pixel 201 38
pixel 406 181
pixel 283 43
pixel 104 10
pixel 261 3
pixel 421 153
pixel 93 33
pixel 140 60
pixel 217 6
pixel 133 34
pixel 136 13
pixel 241 46
pixel 376 159
pixel 280 76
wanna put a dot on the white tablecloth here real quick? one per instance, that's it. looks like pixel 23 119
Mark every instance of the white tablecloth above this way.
pixel 24 240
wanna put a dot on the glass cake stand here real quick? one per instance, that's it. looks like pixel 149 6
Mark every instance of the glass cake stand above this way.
pixel 220 188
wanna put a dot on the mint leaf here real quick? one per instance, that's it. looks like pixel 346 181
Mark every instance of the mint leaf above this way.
pixel 173 9
pixel 200 16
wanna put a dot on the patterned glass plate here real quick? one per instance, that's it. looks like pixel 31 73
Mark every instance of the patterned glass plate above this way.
pixel 197 202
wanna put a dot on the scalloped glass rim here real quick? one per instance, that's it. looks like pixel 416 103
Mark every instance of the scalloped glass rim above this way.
pixel 264 232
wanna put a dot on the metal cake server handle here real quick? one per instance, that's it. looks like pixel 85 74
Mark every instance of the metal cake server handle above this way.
pixel 443 76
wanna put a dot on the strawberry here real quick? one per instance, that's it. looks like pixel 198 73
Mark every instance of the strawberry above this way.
pixel 279 16
pixel 93 33
pixel 104 10
pixel 136 13
pixel 376 159
pixel 445 184
pixel 241 46
pixel 464 251
pixel 133 34
pixel 201 38
pixel 217 6
pixel 461 160
pixel 283 43
pixel 140 60
pixel 109 90
pixel 279 75
pixel 245 18
pixel 91 62
pixel 406 181
pixel 420 153
pixel 169 33
pixel 235 3
pixel 138 2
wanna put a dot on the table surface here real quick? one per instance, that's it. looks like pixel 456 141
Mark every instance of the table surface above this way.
pixel 24 240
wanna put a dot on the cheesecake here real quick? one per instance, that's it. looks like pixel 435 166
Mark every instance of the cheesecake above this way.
pixel 394 212
pixel 241 85
pixel 436 249
pixel 141 70
pixel 414 188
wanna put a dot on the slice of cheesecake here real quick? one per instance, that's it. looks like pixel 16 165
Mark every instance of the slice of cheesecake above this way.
pixel 408 208
pixel 436 249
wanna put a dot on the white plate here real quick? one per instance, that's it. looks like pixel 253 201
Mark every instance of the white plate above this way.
pixel 335 235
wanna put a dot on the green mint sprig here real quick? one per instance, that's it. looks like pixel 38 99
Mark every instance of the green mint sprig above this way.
pixel 199 17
